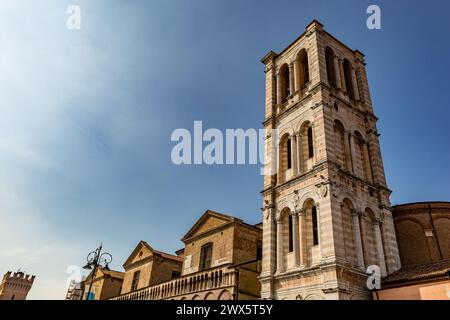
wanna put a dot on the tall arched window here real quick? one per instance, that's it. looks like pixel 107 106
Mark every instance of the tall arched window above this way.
pixel 306 144
pixel 331 73
pixel 289 154
pixel 368 238
pixel 315 226
pixel 303 73
pixel 291 238
pixel 342 151
pixel 361 156
pixel 285 89
pixel 285 158
pixel 348 233
pixel 305 65
pixel 348 79
pixel 310 143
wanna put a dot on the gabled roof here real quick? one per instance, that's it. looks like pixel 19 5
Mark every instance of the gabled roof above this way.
pixel 143 244
pixel 207 215
pixel 103 272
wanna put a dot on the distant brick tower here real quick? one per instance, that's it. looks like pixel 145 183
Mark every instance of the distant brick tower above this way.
pixel 15 286
pixel 327 213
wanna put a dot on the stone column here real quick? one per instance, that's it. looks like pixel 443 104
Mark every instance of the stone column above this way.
pixel 358 242
pixel 278 88
pixel 299 153
pixel 295 237
pixel 337 74
pixel 279 246
pixel 380 249
pixel 269 240
pixel 291 79
pixel 294 154
pixel 355 84
pixel 302 237
pixel 353 152
pixel 296 75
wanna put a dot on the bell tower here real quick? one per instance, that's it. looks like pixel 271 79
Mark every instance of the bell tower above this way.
pixel 326 207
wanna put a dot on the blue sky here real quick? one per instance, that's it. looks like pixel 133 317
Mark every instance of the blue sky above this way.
pixel 86 115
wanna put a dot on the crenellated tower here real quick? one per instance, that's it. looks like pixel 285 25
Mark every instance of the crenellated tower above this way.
pixel 15 286
pixel 326 214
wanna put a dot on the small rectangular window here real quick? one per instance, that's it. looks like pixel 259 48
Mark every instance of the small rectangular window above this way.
pixel 175 274
pixel 135 282
pixel 206 256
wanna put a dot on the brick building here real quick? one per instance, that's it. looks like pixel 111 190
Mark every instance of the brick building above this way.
pixel 423 234
pixel 220 261
pixel 106 284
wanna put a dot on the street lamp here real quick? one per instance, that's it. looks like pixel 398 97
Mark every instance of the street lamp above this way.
pixel 94 260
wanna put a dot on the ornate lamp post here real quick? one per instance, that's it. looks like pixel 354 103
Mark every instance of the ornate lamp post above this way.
pixel 94 260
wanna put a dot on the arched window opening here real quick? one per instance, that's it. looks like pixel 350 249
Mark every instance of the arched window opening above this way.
pixel 361 156
pixel 310 143
pixel 348 79
pixel 285 78
pixel 289 154
pixel 291 238
pixel 347 211
pixel 305 67
pixel 368 238
pixel 315 226
pixel 331 73
pixel 303 73
pixel 285 157
pixel 341 148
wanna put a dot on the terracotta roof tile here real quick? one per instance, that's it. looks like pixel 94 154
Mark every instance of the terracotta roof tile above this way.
pixel 419 272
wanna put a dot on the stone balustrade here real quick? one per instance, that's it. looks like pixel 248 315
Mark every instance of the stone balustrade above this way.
pixel 211 279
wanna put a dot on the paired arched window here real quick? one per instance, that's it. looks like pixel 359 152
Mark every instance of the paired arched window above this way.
pixel 331 72
pixel 296 153
pixel 348 79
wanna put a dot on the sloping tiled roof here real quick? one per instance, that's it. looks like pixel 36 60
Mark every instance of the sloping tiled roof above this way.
pixel 168 255
pixel 420 272
pixel 113 273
